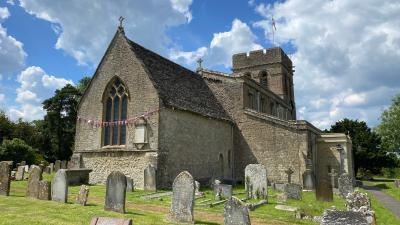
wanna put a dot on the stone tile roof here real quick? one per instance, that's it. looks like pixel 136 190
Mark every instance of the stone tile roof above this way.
pixel 179 87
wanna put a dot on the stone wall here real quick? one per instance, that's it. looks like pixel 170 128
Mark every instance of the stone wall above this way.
pixel 118 61
pixel 194 143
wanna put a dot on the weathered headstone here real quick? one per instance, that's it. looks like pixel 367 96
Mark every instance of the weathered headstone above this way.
pixel 345 184
pixel 5 174
pixel 20 173
pixel 115 192
pixel 57 165
pixel 150 183
pixel 324 191
pixel 63 164
pixel 397 183
pixel 182 199
pixel 289 173
pixel 223 191
pixel 236 212
pixel 26 168
pixel 82 196
pixel 281 198
pixel 256 182
pixel 59 190
pixel 333 217
pixel 110 221
pixel 130 187
pixel 33 182
pixel 333 174
pixel 197 191
pixel 293 191
pixel 51 165
pixel 75 162
pixel 308 176
pixel 44 190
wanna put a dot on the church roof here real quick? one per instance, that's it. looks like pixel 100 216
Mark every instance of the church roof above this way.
pixel 179 87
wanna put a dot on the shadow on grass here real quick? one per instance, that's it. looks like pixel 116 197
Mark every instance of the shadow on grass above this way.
pixel 382 180
pixel 381 186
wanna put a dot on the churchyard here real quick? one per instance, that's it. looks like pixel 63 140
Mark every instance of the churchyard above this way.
pixel 150 207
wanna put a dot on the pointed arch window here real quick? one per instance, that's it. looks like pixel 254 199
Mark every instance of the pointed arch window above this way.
pixel 115 112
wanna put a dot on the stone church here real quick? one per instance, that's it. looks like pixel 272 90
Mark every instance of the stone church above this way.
pixel 142 109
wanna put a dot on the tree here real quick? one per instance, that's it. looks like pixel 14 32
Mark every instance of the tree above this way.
pixel 368 152
pixel 389 129
pixel 6 127
pixel 17 150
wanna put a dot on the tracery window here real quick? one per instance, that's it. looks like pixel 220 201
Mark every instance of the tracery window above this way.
pixel 115 112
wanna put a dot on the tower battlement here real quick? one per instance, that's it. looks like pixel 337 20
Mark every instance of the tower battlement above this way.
pixel 260 57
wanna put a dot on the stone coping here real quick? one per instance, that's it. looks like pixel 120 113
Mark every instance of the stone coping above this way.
pixel 105 150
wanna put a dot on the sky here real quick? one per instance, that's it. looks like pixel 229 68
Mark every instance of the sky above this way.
pixel 346 53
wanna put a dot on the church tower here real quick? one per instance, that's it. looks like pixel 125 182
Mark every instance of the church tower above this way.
pixel 271 68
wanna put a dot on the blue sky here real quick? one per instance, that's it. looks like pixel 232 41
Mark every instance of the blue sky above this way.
pixel 346 53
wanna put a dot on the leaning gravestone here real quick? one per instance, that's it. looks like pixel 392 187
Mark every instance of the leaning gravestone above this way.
pixel 150 178
pixel 82 196
pixel 293 191
pixel 324 191
pixel 59 190
pixel 44 190
pixel 20 173
pixel 33 182
pixel 110 221
pixel 397 183
pixel 5 174
pixel 256 182
pixel 236 212
pixel 115 192
pixel 182 199
pixel 57 165
pixel 333 217
pixel 345 184
pixel 129 185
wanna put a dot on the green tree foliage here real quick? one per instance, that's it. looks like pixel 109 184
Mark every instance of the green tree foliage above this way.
pixel 83 84
pixel 17 150
pixel 367 149
pixel 6 127
pixel 389 129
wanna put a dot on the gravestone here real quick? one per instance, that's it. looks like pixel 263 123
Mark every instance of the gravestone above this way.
pixel 75 162
pixel 281 198
pixel 397 183
pixel 33 182
pixel 110 221
pixel 51 165
pixel 223 191
pixel 289 173
pixel 23 163
pixel 44 190
pixel 293 191
pixel 308 178
pixel 236 212
pixel 334 217
pixel 197 191
pixel 59 190
pixel 26 168
pixel 324 191
pixel 256 182
pixel 129 185
pixel 182 199
pixel 42 166
pixel 115 192
pixel 63 164
pixel 47 169
pixel 150 183
pixel 20 173
pixel 5 174
pixel 57 165
pixel 357 200
pixel 333 174
pixel 345 184
pixel 82 196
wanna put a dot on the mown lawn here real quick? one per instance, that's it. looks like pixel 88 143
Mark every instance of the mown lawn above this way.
pixel 16 209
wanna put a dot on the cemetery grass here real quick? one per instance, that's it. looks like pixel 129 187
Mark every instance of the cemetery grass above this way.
pixel 383 215
pixel 17 209
pixel 386 185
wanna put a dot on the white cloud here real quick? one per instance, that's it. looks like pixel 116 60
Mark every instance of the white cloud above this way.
pixel 35 86
pixel 4 13
pixel 238 39
pixel 346 57
pixel 85 27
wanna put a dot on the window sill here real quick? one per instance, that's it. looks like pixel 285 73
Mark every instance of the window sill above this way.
pixel 113 146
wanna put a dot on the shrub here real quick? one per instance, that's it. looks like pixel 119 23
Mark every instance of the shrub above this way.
pixel 17 150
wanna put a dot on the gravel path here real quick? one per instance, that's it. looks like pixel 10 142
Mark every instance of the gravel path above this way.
pixel 388 201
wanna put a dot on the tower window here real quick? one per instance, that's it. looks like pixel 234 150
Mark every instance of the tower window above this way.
pixel 264 80
pixel 115 109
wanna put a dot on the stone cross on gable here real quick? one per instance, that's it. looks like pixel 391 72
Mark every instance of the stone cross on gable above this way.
pixel 199 61
pixel 121 19
pixel 289 173
pixel 333 174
